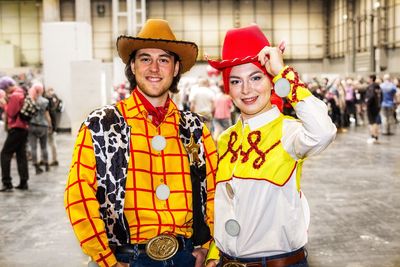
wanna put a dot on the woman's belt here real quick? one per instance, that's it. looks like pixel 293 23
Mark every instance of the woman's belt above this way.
pixel 274 261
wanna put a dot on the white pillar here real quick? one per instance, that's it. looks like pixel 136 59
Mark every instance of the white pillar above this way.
pixel 63 43
pixel 83 11
pixel 51 10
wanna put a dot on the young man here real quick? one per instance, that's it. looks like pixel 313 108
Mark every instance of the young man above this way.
pixel 141 184
pixel 17 136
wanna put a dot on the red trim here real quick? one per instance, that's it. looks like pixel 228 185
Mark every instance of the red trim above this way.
pixel 258 162
pixel 231 142
pixel 262 179
pixel 296 83
pixel 220 65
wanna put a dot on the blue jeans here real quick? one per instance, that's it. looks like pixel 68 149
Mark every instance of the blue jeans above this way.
pixel 182 258
pixel 264 260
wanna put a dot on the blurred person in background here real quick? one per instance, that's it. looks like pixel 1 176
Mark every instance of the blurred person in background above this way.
pixel 17 136
pixel 222 112
pixel 373 98
pixel 202 101
pixel 55 109
pixel 342 105
pixel 334 104
pixel 3 100
pixel 39 128
pixel 350 100
pixel 387 106
pixel 396 81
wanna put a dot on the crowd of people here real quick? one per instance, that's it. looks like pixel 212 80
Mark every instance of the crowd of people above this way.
pixel 372 100
pixel 30 116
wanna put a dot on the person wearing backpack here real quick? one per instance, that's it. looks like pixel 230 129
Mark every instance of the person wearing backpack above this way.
pixel 39 127
pixel 55 109
pixel 17 136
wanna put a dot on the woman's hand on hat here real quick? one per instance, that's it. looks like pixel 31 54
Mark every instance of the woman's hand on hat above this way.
pixel 272 58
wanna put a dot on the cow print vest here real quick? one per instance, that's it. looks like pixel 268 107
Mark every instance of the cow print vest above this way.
pixel 111 136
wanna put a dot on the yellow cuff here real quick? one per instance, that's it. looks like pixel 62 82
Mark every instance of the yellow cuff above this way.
pixel 213 252
pixel 279 75
pixel 298 90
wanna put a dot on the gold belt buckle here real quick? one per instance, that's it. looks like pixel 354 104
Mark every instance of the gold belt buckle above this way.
pixel 234 264
pixel 162 247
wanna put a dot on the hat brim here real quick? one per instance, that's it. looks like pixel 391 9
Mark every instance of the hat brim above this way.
pixel 223 64
pixel 186 51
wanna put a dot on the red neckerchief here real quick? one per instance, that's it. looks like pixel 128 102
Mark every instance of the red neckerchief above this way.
pixel 157 113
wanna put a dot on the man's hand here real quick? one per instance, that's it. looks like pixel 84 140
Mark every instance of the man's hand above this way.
pixel 200 255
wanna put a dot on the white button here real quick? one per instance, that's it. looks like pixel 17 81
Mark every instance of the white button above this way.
pixel 158 142
pixel 282 87
pixel 162 192
pixel 232 227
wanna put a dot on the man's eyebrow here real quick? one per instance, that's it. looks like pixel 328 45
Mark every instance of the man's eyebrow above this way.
pixel 144 54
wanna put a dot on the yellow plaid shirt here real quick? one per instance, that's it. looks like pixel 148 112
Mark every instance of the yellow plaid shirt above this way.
pixel 147 216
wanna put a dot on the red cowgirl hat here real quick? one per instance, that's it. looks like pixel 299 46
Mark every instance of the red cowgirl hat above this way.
pixel 241 45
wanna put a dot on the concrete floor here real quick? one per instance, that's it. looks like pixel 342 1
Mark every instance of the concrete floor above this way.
pixel 353 190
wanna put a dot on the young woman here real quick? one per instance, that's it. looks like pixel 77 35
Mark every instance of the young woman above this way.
pixel 261 215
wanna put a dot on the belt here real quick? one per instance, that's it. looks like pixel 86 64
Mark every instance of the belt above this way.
pixel 271 262
pixel 167 245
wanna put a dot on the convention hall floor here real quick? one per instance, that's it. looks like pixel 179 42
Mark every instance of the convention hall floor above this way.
pixel 353 189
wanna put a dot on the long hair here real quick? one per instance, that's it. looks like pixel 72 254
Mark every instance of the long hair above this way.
pixel 132 79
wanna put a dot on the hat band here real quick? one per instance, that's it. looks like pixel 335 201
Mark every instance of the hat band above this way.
pixel 219 65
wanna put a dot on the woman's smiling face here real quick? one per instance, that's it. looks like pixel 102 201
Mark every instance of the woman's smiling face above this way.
pixel 250 90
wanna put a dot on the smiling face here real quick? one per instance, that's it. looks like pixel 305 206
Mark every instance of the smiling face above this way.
pixel 154 70
pixel 250 90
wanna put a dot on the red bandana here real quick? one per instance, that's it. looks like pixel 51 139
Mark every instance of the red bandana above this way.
pixel 157 113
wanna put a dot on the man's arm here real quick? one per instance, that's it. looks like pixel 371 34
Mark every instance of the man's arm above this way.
pixel 211 168
pixel 81 204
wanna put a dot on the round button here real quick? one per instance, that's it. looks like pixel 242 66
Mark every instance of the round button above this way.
pixel 282 87
pixel 232 227
pixel 162 192
pixel 158 142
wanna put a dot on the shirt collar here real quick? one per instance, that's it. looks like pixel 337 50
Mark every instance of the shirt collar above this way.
pixel 133 106
pixel 263 118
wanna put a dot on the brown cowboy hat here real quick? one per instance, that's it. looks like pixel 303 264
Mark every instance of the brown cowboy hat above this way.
pixel 156 33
